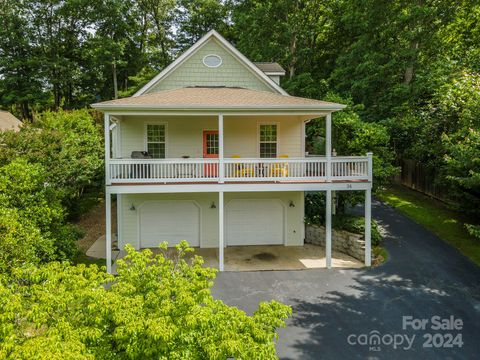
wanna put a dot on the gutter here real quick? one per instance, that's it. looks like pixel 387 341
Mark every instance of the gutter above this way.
pixel 129 107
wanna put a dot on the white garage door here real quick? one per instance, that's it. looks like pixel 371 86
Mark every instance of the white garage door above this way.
pixel 254 222
pixel 170 221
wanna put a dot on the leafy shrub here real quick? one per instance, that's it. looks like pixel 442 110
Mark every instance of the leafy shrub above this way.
pixel 315 208
pixel 69 145
pixel 32 219
pixel 157 307
pixel 356 224
pixel 21 242
pixel 473 230
pixel 315 214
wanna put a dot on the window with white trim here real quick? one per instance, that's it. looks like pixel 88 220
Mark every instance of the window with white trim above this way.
pixel 156 135
pixel 268 140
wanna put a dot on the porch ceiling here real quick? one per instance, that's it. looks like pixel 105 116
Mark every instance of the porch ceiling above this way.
pixel 217 98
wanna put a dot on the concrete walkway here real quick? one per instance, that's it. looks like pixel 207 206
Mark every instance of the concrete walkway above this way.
pixel 99 248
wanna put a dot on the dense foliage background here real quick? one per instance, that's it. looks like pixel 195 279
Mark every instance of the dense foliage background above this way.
pixel 409 69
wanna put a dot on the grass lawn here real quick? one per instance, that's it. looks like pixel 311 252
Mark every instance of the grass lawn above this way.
pixel 87 260
pixel 436 217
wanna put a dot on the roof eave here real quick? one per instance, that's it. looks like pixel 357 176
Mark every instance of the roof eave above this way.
pixel 273 73
pixel 230 108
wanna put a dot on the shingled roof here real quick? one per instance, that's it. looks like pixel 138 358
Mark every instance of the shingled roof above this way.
pixel 270 68
pixel 8 121
pixel 191 98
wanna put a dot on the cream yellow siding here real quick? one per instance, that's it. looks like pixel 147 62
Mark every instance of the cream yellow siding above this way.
pixel 209 216
pixel 192 72
pixel 185 135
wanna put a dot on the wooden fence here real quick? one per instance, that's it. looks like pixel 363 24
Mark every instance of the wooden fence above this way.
pixel 417 177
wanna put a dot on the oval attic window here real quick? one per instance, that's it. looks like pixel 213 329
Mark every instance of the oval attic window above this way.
pixel 212 61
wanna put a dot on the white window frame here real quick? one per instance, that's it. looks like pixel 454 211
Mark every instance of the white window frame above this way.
pixel 214 55
pixel 203 130
pixel 259 124
pixel 145 135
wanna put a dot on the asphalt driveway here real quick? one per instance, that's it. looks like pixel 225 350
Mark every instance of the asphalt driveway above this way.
pixel 336 311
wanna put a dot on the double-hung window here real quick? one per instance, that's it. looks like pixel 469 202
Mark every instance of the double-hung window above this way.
pixel 268 140
pixel 156 134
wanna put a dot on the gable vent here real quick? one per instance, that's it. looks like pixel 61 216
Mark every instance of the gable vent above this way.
pixel 212 61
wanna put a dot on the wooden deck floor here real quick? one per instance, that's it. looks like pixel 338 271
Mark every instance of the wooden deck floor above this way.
pixel 243 182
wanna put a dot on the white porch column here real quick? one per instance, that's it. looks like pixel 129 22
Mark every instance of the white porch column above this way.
pixel 221 231
pixel 221 170
pixel 119 219
pixel 328 145
pixel 368 230
pixel 107 148
pixel 108 227
pixel 328 229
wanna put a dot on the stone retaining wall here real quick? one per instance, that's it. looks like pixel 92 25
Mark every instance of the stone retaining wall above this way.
pixel 342 241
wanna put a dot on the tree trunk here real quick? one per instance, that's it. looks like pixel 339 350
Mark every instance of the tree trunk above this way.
pixel 56 95
pixel 115 85
pixel 26 115
pixel 410 70
pixel 293 52
pixel 293 41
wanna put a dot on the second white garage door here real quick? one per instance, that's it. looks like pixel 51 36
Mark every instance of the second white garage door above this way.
pixel 170 221
pixel 254 222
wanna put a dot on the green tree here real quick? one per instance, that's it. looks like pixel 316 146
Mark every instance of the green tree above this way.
pixel 459 107
pixel 293 33
pixel 21 241
pixel 352 136
pixel 156 30
pixel 195 18
pixel 20 62
pixel 69 145
pixel 32 219
pixel 157 307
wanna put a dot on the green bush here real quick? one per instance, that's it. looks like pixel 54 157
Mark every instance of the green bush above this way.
pixel 32 219
pixel 21 242
pixel 473 230
pixel 356 224
pixel 69 146
pixel 158 307
pixel 315 214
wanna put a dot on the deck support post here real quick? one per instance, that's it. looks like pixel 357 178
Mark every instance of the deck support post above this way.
pixel 221 168
pixel 221 231
pixel 108 227
pixel 328 146
pixel 106 124
pixel 368 229
pixel 328 229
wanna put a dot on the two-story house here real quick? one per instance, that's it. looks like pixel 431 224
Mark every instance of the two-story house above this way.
pixel 212 150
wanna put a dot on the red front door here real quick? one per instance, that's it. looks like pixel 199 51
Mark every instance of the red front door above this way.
pixel 210 150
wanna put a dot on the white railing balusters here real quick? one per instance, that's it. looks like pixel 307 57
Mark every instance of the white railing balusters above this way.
pixel 239 169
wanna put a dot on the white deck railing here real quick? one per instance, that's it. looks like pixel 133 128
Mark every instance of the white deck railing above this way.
pixel 239 170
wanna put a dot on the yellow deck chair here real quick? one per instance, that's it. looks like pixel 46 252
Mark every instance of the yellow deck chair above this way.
pixel 278 169
pixel 242 170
